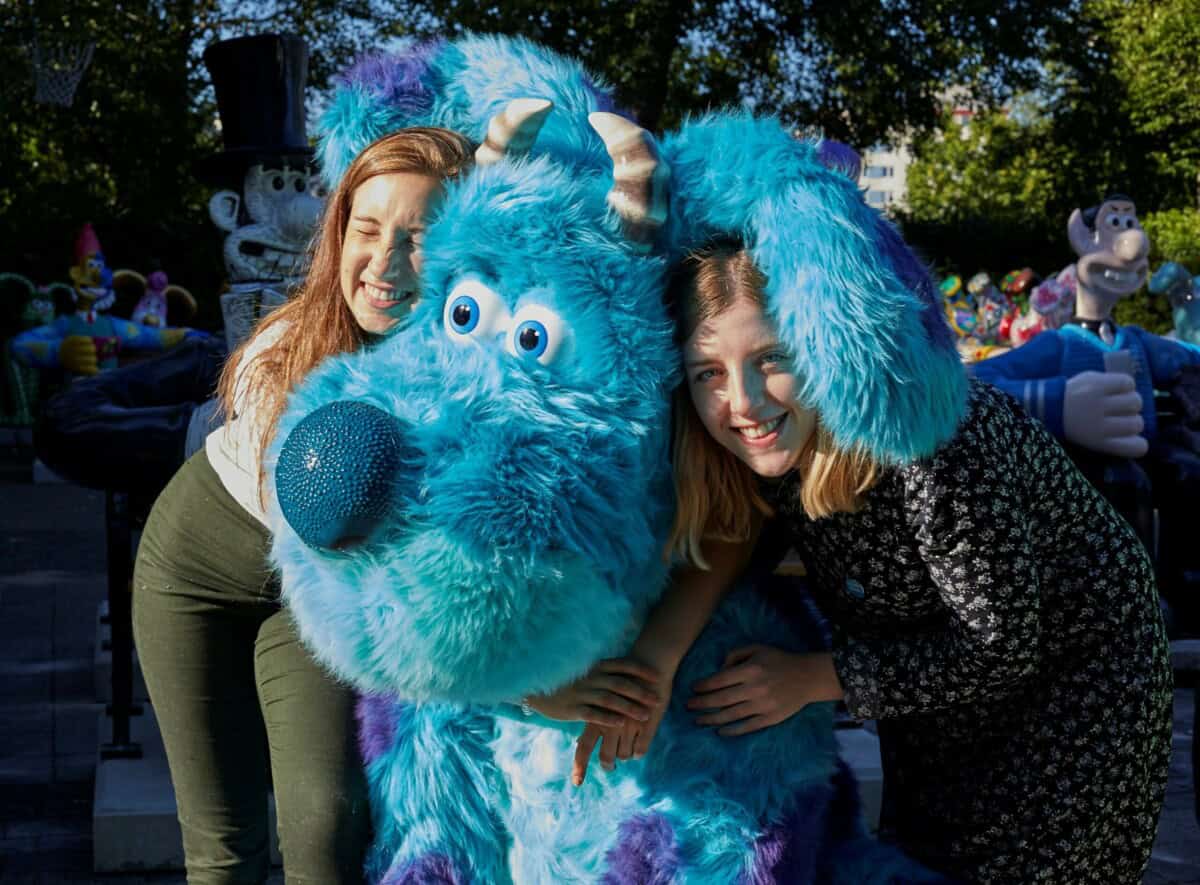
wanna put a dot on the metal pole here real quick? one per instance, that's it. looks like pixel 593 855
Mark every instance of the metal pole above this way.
pixel 120 611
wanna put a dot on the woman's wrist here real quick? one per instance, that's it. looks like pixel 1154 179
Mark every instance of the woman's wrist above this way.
pixel 663 659
pixel 820 677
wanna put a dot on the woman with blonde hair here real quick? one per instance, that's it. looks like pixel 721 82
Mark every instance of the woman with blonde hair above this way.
pixel 241 704
pixel 987 607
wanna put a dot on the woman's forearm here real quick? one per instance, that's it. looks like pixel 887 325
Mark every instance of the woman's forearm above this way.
pixel 688 603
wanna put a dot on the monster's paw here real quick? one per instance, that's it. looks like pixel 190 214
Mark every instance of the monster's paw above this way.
pixel 429 869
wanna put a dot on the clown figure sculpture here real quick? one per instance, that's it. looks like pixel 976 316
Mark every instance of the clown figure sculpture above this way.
pixel 90 340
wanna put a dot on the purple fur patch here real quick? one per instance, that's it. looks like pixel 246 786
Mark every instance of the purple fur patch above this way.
pixel 645 853
pixel 376 714
pixel 399 80
pixel 432 869
pixel 603 99
pixel 840 158
pixel 788 851
pixel 914 275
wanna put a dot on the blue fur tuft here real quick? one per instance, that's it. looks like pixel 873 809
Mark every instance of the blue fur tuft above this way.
pixel 872 349
pixel 461 86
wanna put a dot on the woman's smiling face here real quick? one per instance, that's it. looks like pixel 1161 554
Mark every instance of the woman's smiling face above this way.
pixel 381 254
pixel 744 390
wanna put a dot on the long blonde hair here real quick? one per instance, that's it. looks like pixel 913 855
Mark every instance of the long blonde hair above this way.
pixel 320 323
pixel 716 494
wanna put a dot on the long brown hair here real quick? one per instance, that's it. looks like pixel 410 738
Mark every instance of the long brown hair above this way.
pixel 716 494
pixel 320 323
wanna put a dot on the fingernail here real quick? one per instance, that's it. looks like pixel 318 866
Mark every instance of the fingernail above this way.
pixel 576 780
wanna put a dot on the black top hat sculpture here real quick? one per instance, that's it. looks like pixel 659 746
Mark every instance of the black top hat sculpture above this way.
pixel 259 81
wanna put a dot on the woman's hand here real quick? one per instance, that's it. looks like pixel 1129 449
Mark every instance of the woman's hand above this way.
pixel 613 691
pixel 629 740
pixel 760 685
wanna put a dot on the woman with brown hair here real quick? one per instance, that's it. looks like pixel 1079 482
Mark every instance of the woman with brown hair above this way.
pixel 240 702
pixel 988 607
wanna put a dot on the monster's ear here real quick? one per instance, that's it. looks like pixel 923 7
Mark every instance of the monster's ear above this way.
pixel 858 310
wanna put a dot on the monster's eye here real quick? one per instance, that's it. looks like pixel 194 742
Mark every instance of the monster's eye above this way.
pixel 538 333
pixel 474 311
pixel 1129 222
pixel 299 185
pixel 277 182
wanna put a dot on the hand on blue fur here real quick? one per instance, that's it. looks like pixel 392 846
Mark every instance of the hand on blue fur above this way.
pixel 629 740
pixel 613 691
pixel 759 686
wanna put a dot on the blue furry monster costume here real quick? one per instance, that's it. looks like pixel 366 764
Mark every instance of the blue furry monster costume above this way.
pixel 474 509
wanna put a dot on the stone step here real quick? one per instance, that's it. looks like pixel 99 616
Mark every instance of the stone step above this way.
pixel 859 748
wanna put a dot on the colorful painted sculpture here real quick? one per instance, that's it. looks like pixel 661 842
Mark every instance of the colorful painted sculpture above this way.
pixel 152 307
pixel 992 307
pixel 1182 292
pixel 267 208
pixel 960 307
pixel 1094 384
pixel 89 340
pixel 474 509
pixel 23 306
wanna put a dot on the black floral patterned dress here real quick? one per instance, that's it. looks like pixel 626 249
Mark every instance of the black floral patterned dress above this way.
pixel 1001 621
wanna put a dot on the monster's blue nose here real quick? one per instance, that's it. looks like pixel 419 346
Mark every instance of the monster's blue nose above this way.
pixel 338 471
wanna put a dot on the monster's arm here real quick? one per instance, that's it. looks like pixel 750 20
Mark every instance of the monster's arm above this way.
pixel 435 789
pixel 1032 374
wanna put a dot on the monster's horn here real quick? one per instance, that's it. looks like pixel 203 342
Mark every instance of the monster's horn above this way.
pixel 640 178
pixel 513 130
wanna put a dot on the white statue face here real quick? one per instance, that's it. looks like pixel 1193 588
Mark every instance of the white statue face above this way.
pixel 283 216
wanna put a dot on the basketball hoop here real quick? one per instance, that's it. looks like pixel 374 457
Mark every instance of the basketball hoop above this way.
pixel 57 70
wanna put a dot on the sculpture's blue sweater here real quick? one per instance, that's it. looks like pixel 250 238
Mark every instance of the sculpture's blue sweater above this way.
pixel 1037 373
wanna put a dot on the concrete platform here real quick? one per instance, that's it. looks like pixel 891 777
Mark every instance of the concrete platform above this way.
pixel 134 823
pixel 860 750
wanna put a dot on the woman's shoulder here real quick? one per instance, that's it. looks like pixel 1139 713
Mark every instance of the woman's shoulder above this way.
pixel 993 433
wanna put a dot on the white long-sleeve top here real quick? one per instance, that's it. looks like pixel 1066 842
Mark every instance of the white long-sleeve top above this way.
pixel 232 448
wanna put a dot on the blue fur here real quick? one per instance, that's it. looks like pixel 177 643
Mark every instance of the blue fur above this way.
pixel 524 540
pixel 873 353
pixel 472 80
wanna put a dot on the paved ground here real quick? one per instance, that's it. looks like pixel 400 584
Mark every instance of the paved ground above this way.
pixel 51 580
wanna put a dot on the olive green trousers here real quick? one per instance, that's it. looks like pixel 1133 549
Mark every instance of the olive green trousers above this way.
pixel 240 702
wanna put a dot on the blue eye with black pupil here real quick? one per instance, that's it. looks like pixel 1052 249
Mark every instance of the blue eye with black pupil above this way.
pixel 532 338
pixel 464 314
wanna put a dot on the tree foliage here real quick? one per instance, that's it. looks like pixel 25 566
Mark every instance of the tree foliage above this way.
pixel 1103 120
pixel 123 156
pixel 859 70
